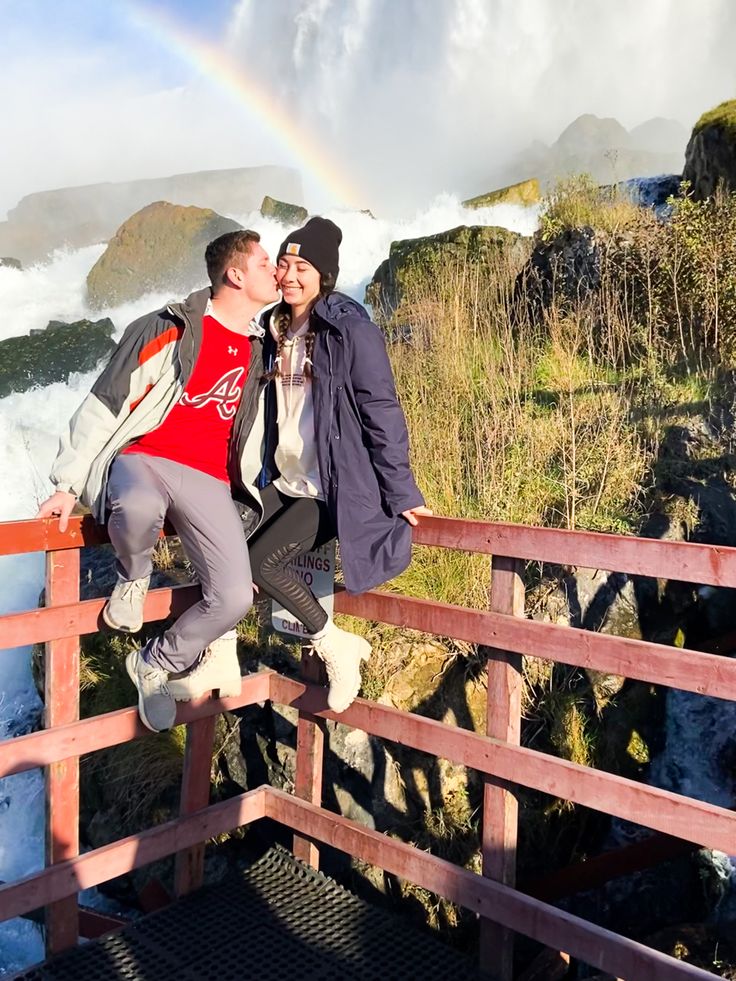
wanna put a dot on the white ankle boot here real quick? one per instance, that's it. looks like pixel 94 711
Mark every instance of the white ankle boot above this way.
pixel 218 668
pixel 342 653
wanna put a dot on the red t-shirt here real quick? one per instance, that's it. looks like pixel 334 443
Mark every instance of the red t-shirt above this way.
pixel 197 430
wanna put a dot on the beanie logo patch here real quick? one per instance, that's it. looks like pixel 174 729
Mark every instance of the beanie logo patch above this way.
pixel 293 248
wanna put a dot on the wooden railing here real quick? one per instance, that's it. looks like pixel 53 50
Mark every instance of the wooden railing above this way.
pixel 497 756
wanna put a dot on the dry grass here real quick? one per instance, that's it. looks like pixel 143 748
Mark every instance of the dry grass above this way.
pixel 578 202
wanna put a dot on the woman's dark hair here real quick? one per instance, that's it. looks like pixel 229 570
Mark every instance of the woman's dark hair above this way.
pixel 326 283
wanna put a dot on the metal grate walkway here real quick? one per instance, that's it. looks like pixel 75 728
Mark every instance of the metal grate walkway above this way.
pixel 278 919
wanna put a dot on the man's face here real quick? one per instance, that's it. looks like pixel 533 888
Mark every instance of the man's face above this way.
pixel 258 276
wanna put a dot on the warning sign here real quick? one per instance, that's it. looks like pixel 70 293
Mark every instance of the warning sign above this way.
pixel 317 571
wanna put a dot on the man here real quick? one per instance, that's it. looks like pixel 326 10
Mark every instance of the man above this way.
pixel 168 430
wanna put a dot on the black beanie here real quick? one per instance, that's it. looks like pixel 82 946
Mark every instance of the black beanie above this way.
pixel 318 242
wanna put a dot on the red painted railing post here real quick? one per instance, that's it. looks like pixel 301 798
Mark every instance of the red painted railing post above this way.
pixel 500 807
pixel 61 696
pixel 195 794
pixel 310 741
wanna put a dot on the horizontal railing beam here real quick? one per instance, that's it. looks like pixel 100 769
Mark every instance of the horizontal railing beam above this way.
pixel 661 810
pixel 102 731
pixel 713 565
pixel 105 863
pixel 43 535
pixel 704 674
pixel 596 946
pixel 691 820
pixel 43 624
pixel 590 943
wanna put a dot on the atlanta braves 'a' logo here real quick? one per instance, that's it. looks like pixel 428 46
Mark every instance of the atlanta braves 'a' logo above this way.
pixel 225 392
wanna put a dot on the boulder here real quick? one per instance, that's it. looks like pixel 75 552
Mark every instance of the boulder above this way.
pixel 10 263
pixel 524 193
pixel 287 214
pixel 413 258
pixel 710 158
pixel 53 354
pixel 160 247
pixel 652 192
pixel 567 269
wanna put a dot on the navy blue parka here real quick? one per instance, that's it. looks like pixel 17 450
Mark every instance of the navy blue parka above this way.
pixel 362 442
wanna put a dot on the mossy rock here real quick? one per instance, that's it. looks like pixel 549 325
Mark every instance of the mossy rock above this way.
pixel 710 158
pixel 10 263
pixel 414 260
pixel 53 354
pixel 524 193
pixel 287 214
pixel 159 248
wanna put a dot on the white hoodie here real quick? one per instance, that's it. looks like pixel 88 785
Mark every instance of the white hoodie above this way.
pixel 296 452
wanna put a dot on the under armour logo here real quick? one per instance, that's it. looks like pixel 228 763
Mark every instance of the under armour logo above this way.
pixel 225 393
pixel 232 350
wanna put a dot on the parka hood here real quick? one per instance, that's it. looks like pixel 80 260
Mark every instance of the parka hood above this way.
pixel 336 307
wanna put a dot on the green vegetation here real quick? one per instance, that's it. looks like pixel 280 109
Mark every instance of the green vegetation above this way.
pixel 556 418
pixel 523 193
pixel 723 115
pixel 578 202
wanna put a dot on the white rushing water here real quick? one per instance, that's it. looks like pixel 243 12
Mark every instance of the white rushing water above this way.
pixel 30 424
pixel 426 94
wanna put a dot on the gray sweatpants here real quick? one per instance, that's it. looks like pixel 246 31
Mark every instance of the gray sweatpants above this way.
pixel 143 490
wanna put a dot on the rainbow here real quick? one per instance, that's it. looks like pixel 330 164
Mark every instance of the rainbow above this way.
pixel 221 70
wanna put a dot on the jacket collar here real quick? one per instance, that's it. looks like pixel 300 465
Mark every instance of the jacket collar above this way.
pixel 199 304
pixel 193 308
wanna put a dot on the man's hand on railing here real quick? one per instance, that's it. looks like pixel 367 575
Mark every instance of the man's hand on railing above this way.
pixel 61 503
pixel 413 513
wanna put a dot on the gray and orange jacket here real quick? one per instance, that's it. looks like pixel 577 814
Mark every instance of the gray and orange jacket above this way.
pixel 139 386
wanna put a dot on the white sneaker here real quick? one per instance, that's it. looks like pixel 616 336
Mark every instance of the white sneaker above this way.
pixel 342 653
pixel 156 705
pixel 217 668
pixel 124 610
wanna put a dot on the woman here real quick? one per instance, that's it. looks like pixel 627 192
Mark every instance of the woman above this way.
pixel 337 460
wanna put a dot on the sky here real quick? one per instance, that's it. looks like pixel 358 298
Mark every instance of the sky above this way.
pixel 95 97
pixel 375 101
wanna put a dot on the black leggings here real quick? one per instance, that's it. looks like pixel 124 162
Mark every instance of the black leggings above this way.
pixel 290 527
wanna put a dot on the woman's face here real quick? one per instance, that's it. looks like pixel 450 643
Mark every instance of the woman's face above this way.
pixel 298 280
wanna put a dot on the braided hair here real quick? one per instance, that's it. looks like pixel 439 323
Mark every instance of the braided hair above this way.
pixel 283 317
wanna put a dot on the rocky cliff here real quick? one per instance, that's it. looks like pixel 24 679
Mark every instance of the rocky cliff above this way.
pixel 710 159
pixel 80 216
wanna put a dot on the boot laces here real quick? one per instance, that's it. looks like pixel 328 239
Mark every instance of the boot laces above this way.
pixel 157 678
pixel 132 588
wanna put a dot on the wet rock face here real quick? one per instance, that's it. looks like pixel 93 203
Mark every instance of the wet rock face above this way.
pixel 288 214
pixel 160 248
pixel 710 158
pixel 53 354
pixel 434 255
pixel 524 193
pixel 653 192
pixel 566 268
pixel 74 217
